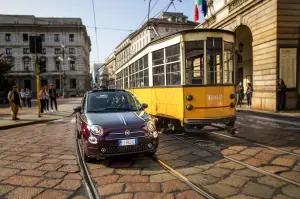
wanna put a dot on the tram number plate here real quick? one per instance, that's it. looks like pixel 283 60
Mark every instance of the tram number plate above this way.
pixel 127 142
pixel 215 97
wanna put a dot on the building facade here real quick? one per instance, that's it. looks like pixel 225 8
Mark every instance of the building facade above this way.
pixel 267 45
pixel 166 23
pixel 66 49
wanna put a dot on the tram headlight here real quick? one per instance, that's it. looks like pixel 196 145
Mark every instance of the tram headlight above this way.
pixel 232 105
pixel 189 107
pixel 232 96
pixel 189 97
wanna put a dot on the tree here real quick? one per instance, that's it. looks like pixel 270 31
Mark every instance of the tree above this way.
pixel 5 83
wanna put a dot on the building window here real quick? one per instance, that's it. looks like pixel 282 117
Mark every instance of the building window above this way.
pixel 57 65
pixel 26 51
pixel 173 65
pixel 7 37
pixel 56 37
pixel 8 51
pixel 167 28
pixel 25 37
pixel 71 37
pixel 57 51
pixel 26 63
pixel 71 50
pixel 43 37
pixel 72 83
pixel 72 65
pixel 44 51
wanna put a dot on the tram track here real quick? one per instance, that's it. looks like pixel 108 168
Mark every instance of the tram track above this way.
pixel 258 144
pixel 217 153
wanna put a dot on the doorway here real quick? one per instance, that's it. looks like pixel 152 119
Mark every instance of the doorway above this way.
pixel 44 82
pixel 27 84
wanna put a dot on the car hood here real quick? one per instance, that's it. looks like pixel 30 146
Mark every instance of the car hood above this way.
pixel 113 120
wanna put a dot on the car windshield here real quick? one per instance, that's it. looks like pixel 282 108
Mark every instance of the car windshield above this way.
pixel 120 101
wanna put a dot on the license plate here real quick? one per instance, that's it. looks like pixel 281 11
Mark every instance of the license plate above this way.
pixel 127 142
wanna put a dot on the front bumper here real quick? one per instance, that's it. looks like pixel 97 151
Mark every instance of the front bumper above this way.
pixel 112 148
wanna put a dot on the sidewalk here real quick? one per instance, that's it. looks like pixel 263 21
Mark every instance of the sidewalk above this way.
pixel 30 116
pixel 289 114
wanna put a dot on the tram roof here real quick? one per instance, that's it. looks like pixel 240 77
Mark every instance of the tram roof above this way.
pixel 193 31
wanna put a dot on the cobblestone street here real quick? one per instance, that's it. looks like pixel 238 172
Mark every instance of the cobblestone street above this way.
pixel 39 161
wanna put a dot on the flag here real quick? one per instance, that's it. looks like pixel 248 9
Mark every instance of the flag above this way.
pixel 204 7
pixel 196 11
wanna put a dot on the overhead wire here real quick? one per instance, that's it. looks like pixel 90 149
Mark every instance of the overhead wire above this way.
pixel 96 32
pixel 147 14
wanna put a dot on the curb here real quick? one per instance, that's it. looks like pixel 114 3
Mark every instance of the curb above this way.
pixel 31 123
pixel 272 115
pixel 25 124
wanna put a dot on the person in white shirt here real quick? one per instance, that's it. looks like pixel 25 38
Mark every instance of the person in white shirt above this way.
pixel 22 93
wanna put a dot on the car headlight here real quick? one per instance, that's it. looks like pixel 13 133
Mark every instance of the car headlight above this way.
pixel 96 130
pixel 150 126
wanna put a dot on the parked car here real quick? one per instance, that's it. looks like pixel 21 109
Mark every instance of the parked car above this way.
pixel 113 122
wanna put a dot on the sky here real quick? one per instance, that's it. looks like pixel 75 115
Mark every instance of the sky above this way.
pixel 114 14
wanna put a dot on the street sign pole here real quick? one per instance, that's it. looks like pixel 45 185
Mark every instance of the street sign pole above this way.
pixel 38 86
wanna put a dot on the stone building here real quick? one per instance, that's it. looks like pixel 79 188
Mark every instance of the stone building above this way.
pixel 166 23
pixel 267 45
pixel 66 49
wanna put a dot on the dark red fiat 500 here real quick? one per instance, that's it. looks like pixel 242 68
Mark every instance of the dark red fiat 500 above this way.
pixel 113 122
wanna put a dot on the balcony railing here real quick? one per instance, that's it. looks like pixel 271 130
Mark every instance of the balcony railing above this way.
pixel 235 4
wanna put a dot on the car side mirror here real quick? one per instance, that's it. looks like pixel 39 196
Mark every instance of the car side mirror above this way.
pixel 144 106
pixel 77 109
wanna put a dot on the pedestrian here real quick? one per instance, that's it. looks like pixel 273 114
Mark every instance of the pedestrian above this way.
pixel 22 93
pixel 249 92
pixel 15 102
pixel 239 94
pixel 53 96
pixel 281 95
pixel 42 99
pixel 28 96
pixel 46 99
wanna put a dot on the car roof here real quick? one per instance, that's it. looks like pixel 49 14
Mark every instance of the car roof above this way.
pixel 96 90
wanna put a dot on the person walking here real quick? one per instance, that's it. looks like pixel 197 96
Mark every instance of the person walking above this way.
pixel 47 98
pixel 15 102
pixel 249 92
pixel 239 94
pixel 42 99
pixel 281 95
pixel 22 93
pixel 28 96
pixel 53 95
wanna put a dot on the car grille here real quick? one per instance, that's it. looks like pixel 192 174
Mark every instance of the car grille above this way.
pixel 127 149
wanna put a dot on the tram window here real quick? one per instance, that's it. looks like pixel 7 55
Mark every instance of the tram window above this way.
pixel 158 57
pixel 173 53
pixel 146 77
pixel 126 77
pixel 158 76
pixel 214 65
pixel 194 53
pixel 228 63
pixel 141 64
pixel 173 74
pixel 145 61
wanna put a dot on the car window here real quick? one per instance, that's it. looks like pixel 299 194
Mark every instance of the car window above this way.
pixel 120 101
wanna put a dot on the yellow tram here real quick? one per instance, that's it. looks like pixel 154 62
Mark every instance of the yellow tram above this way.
pixel 186 78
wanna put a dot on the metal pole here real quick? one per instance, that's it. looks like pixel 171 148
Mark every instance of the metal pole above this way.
pixel 63 72
pixel 38 86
